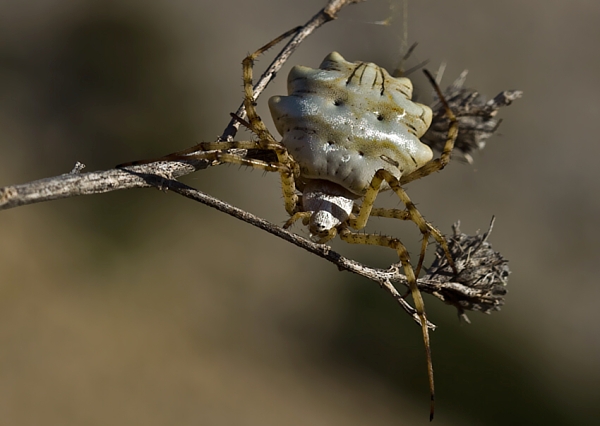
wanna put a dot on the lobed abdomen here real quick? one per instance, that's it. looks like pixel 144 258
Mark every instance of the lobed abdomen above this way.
pixel 344 121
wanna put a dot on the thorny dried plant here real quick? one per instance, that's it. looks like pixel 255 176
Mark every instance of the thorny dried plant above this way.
pixel 482 273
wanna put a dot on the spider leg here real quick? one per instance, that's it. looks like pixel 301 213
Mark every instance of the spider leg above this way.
pixel 403 215
pixel 387 213
pixel 257 126
pixel 441 162
pixel 394 243
pixel 411 213
pixel 221 152
pixel 213 151
pixel 305 216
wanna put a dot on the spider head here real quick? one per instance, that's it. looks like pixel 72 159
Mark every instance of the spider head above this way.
pixel 318 225
pixel 330 205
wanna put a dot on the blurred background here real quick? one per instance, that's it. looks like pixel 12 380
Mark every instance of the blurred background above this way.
pixel 140 307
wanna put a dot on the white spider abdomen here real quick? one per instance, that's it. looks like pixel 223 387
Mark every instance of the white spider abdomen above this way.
pixel 345 121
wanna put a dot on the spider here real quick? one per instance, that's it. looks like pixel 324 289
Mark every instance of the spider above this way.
pixel 349 130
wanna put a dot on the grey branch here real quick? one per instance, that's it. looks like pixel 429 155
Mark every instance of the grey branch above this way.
pixel 478 286
pixel 480 283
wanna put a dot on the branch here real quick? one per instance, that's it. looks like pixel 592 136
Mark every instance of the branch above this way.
pixel 478 286
pixel 480 283
pixel 75 183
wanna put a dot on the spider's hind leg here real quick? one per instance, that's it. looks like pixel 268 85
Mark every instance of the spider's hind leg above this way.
pixel 396 244
pixel 411 213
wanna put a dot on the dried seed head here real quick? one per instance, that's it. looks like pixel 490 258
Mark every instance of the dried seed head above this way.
pixel 482 273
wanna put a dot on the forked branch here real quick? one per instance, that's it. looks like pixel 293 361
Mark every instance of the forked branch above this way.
pixel 482 272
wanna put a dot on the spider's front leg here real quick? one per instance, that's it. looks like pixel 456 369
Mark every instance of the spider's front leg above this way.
pixel 256 125
pixel 441 162
pixel 220 152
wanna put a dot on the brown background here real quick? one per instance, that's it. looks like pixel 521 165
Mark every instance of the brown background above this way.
pixel 140 307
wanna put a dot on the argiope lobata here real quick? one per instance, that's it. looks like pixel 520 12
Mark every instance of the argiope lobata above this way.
pixel 349 130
